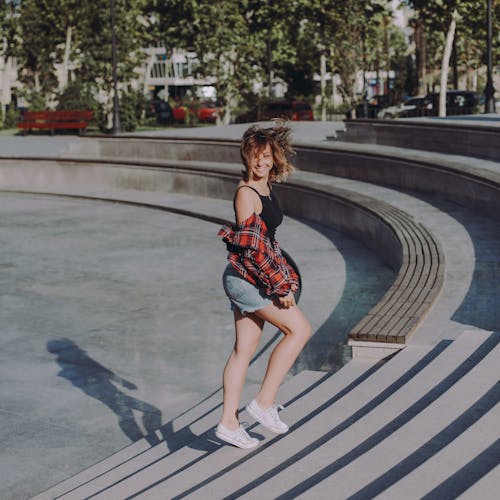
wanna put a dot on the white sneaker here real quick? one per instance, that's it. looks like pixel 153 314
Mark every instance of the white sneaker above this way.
pixel 239 437
pixel 268 418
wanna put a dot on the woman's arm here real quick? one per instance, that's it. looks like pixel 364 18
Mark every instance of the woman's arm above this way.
pixel 246 203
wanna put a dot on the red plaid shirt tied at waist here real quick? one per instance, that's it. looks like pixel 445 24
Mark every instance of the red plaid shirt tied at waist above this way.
pixel 256 258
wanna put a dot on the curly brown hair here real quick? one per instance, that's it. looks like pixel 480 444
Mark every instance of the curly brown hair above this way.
pixel 255 139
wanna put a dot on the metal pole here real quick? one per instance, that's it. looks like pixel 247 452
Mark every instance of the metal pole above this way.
pixel 116 106
pixel 489 91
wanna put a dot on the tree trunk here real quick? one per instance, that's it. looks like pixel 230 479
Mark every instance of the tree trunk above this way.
pixel 421 56
pixel 323 87
pixel 377 71
pixel 469 70
pixel 446 63
pixel 454 58
pixel 36 80
pixel 270 75
pixel 67 51
pixel 387 49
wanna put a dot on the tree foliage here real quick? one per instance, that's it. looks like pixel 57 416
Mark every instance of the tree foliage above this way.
pixel 9 27
pixel 434 18
pixel 239 43
pixel 94 44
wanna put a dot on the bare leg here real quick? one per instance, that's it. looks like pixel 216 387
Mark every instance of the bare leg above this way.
pixel 297 331
pixel 248 333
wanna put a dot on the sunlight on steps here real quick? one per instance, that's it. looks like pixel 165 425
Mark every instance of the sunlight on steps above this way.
pixel 406 424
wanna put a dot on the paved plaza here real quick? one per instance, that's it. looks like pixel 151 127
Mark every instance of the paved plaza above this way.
pixel 109 330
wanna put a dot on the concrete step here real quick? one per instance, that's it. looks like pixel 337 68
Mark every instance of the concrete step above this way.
pixel 325 431
pixel 487 487
pixel 424 451
pixel 225 470
pixel 207 448
pixel 451 467
pixel 359 454
pixel 173 436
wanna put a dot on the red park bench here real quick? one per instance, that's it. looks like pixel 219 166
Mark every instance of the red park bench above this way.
pixel 55 119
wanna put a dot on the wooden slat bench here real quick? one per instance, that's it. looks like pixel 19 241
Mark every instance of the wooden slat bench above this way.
pixel 419 281
pixel 51 120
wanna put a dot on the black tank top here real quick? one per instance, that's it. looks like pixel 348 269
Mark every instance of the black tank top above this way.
pixel 271 213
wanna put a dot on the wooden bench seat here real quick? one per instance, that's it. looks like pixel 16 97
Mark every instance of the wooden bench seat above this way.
pixel 52 120
pixel 417 285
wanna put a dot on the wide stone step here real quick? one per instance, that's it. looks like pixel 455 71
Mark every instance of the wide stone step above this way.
pixel 325 430
pixel 213 470
pixel 174 439
pixel 487 487
pixel 408 439
pixel 451 468
pixel 207 448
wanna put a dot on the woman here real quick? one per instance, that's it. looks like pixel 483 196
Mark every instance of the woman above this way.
pixel 259 284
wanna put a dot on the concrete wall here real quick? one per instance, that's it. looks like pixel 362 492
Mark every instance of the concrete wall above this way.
pixel 458 139
pixel 473 187
pixel 468 186
pixel 160 149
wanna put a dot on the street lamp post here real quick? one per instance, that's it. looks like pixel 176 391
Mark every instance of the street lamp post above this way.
pixel 489 91
pixel 116 106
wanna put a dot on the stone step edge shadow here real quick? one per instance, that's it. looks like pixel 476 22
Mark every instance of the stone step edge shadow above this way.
pixel 201 418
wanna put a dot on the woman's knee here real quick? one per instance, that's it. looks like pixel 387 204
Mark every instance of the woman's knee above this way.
pixel 246 348
pixel 304 330
pixel 299 329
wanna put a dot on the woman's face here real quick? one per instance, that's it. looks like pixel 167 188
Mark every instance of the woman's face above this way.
pixel 262 163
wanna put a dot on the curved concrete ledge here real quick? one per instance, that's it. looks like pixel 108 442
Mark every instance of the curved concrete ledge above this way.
pixel 473 184
pixel 480 141
pixel 403 244
pixel 473 187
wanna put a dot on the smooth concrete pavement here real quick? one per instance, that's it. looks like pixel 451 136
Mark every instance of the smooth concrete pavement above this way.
pixel 114 321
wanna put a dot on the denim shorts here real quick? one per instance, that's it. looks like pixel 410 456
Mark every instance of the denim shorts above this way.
pixel 244 297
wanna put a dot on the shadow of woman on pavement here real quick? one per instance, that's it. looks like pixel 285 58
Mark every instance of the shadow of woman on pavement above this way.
pixel 101 383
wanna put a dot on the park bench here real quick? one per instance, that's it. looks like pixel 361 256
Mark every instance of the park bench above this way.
pixel 51 120
pixel 419 281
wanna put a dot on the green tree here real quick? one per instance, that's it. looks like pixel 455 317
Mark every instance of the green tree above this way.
pixel 44 30
pixel 228 55
pixel 453 26
pixel 275 28
pixel 345 33
pixel 9 27
pixel 94 64
pixel 36 51
pixel 54 32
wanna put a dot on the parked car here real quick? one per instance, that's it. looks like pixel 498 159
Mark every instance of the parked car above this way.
pixel 458 102
pixel 289 110
pixel 279 108
pixel 179 113
pixel 207 112
pixel 204 112
pixel 414 106
pixel 369 108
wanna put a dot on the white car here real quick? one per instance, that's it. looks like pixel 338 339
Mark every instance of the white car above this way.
pixel 415 106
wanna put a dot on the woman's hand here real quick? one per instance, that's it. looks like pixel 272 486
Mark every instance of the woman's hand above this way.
pixel 287 301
